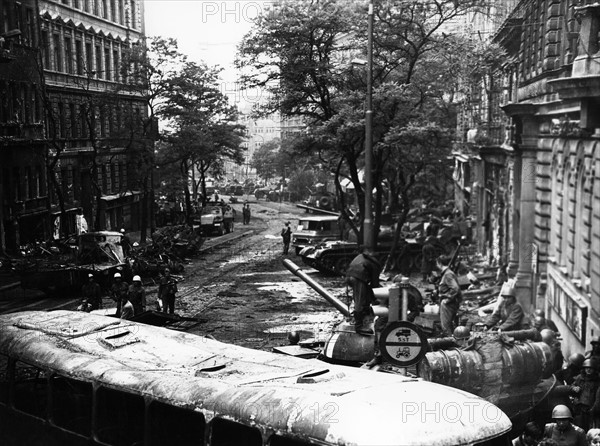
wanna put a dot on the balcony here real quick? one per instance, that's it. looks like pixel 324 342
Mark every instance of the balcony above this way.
pixel 21 131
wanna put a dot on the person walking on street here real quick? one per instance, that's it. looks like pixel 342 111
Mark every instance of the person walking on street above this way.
pixel 246 213
pixel 137 296
pixel 449 294
pixel 286 235
pixel 118 292
pixel 92 295
pixel 167 289
pixel 562 430
pixel 363 275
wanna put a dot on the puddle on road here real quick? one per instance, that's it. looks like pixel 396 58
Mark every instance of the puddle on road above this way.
pixel 298 291
pixel 320 325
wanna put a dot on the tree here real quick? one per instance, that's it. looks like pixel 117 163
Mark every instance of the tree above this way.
pixel 204 129
pixel 300 53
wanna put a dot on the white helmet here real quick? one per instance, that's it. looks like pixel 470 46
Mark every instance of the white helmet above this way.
pixel 137 279
pixel 117 275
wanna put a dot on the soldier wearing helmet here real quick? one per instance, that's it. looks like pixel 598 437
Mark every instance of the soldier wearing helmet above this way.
pixel 137 295
pixel 461 335
pixel 509 314
pixel 540 313
pixel 562 430
pixel 118 292
pixel 584 391
pixel 567 374
pixel 595 351
pixel 92 295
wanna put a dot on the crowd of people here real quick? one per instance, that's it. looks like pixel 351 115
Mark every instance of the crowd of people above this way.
pixel 130 299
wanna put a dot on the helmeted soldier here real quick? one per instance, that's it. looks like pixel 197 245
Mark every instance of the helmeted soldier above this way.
pixel 509 314
pixel 584 390
pixel 568 373
pixel 167 289
pixel 461 335
pixel 92 294
pixel 562 430
pixel 137 295
pixel 541 313
pixel 118 292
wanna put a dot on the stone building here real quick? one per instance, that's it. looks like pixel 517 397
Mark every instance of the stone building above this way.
pixel 84 129
pixel 549 161
pixel 22 167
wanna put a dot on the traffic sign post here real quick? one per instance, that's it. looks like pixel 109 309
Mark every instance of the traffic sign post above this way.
pixel 402 343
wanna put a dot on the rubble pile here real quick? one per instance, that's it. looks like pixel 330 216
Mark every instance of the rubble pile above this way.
pixel 169 246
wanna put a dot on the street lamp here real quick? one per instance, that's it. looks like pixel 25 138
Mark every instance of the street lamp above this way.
pixel 368 233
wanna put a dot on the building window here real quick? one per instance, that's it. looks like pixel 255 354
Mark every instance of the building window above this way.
pixel 116 65
pixel 107 67
pixel 61 120
pixel 45 49
pixel 121 11
pixel 58 65
pixel 68 55
pixel 73 121
pixel 133 14
pixel 104 9
pixel 79 56
pixel 98 62
pixel 39 183
pixel 76 4
pixel 89 57
pixel 113 11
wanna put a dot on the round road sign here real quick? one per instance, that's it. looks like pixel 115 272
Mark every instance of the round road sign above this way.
pixel 402 343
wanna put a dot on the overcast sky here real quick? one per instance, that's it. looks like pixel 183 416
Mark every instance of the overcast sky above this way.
pixel 205 30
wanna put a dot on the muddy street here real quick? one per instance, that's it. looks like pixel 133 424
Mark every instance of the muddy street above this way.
pixel 243 294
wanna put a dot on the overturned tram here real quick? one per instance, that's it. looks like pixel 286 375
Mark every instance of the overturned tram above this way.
pixel 84 379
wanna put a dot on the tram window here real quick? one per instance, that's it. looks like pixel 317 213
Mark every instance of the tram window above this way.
pixel 229 433
pixel 175 426
pixel 120 417
pixel 30 389
pixel 71 404
pixel 277 440
pixel 4 378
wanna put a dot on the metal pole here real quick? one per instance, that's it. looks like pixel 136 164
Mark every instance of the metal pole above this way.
pixel 368 235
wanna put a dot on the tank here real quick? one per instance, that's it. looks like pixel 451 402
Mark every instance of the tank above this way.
pixel 513 371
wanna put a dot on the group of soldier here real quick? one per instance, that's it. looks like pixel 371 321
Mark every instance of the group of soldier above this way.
pixel 130 298
pixel 576 421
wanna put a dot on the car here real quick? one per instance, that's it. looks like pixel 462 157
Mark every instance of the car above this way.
pixel 315 229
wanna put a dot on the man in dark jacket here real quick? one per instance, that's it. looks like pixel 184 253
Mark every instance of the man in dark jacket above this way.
pixel 449 294
pixel 119 292
pixel 286 236
pixel 363 274
pixel 509 314
pixel 167 289
pixel 92 294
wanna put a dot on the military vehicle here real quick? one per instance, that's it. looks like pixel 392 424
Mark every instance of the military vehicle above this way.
pixel 313 230
pixel 98 253
pixel 513 371
pixel 216 217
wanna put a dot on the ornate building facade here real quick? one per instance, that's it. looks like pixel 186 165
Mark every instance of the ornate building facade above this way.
pixel 78 122
pixel 549 161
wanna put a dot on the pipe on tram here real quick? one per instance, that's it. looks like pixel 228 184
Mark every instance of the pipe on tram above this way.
pixel 297 271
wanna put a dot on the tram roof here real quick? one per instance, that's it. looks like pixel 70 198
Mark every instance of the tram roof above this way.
pixel 300 397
